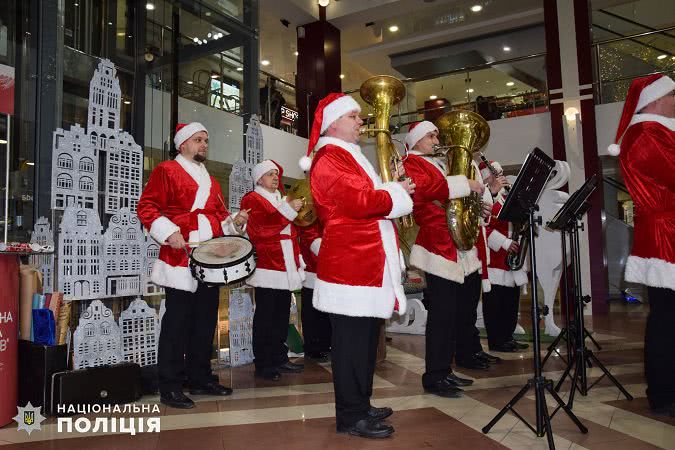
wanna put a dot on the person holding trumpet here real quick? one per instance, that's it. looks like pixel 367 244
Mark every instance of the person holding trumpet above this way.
pixel 182 203
pixel 279 269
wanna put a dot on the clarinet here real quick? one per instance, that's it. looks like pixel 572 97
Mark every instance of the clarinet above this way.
pixel 494 172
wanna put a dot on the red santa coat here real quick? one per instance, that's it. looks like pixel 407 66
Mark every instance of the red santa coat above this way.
pixel 360 263
pixel 309 239
pixel 271 229
pixel 434 250
pixel 498 232
pixel 648 164
pixel 181 196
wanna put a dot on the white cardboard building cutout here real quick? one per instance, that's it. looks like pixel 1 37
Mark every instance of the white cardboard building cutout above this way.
pixel 414 321
pixel 124 173
pixel 123 246
pixel 241 326
pixel 97 339
pixel 80 274
pixel 241 180
pixel 140 333
pixel 42 234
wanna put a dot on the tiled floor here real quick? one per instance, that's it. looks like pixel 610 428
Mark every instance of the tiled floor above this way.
pixel 298 411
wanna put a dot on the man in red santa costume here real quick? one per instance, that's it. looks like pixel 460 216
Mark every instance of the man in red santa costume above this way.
pixel 279 268
pixel 435 253
pixel 646 140
pixel 500 304
pixel 316 329
pixel 182 203
pixel 358 279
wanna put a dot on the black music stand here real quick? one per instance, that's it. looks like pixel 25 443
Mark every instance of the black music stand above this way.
pixel 568 220
pixel 521 206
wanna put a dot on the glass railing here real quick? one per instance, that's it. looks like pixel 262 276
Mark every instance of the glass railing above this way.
pixel 622 58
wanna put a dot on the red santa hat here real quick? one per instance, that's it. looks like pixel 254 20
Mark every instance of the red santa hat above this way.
pixel 486 172
pixel 330 108
pixel 642 92
pixel 265 166
pixel 417 131
pixel 184 131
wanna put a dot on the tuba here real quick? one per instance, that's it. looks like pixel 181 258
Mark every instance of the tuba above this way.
pixel 382 92
pixel 463 133
pixel 307 214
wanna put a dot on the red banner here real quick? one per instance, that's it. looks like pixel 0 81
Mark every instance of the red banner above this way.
pixel 6 89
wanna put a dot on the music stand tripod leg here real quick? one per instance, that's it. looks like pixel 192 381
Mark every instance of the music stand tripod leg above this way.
pixel 591 355
pixel 590 336
pixel 553 347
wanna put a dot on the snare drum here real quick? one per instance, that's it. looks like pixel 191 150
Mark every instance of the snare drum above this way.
pixel 208 266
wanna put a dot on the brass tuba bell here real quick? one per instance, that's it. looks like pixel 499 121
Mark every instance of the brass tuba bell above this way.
pixel 307 214
pixel 464 133
pixel 382 92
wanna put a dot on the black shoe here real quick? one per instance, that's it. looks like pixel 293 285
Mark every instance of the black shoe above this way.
pixel 519 345
pixel 177 399
pixel 489 358
pixel 368 428
pixel 268 374
pixel 380 413
pixel 457 381
pixel 319 357
pixel 473 363
pixel 444 388
pixel 506 347
pixel 211 388
pixel 290 367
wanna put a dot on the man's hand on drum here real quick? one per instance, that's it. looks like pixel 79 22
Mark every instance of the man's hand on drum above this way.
pixel 176 240
pixel 295 204
pixel 241 218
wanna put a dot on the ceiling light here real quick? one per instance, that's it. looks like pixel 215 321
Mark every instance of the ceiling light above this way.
pixel 120 34
pixel 393 28
pixel 265 62
pixel 208 35
pixel 370 114
pixel 220 35
pixel 76 4
pixel 129 36
pixel 324 3
pixel 510 83
pixel 150 6
pixel 215 75
pixel 662 57
pixel 433 97
pixel 3 141
pixel 30 163
pixel 470 90
pixel 110 23
pixel 296 53
pixel 239 69
pixel 571 114
pixel 207 13
pixel 127 102
pixel 195 40
pixel 506 48
pixel 476 8
pixel 342 76
pixel 190 82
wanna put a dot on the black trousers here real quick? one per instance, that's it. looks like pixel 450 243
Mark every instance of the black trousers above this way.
pixel 353 355
pixel 500 311
pixel 270 327
pixel 468 336
pixel 441 299
pixel 316 328
pixel 660 348
pixel 186 337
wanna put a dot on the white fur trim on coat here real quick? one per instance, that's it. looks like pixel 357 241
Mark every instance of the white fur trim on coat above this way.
pixel 501 277
pixel 162 228
pixel 435 264
pixel 310 279
pixel 458 185
pixel 650 272
pixel 520 276
pixel 355 301
pixel 469 261
pixel 315 246
pixel 401 202
pixel 338 108
pixel 230 229
pixel 286 210
pixel 177 277
pixel 273 279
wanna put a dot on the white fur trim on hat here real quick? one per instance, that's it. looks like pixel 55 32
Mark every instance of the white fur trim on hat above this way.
pixel 418 132
pixel 485 172
pixel 338 108
pixel 262 168
pixel 655 91
pixel 187 131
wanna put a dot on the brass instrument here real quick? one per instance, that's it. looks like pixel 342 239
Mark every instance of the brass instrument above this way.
pixel 463 133
pixel 307 214
pixel 382 92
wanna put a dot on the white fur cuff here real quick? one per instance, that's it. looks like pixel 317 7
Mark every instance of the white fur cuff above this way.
pixel 458 185
pixel 162 228
pixel 650 272
pixel 316 245
pixel 230 229
pixel 286 210
pixel 497 241
pixel 401 202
